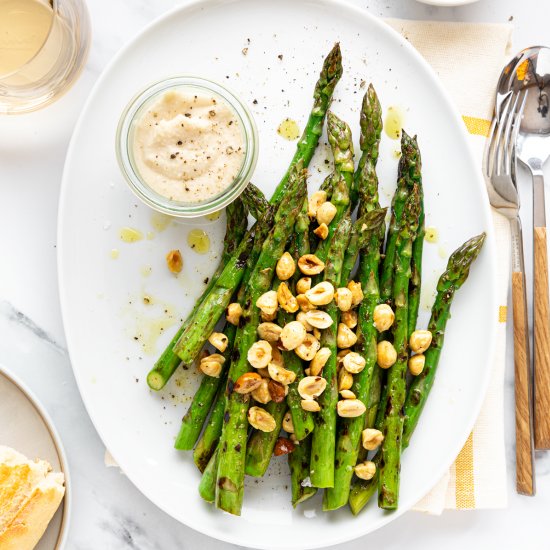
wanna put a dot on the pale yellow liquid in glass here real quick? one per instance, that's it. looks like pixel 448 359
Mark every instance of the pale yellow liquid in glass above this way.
pixel 24 28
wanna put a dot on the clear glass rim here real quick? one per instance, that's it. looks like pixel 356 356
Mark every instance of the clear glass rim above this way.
pixel 55 11
pixel 145 192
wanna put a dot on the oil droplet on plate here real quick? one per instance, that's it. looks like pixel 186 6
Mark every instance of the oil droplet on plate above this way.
pixel 130 235
pixel 149 235
pixel 114 253
pixel 199 241
pixel 213 216
pixel 146 270
pixel 442 252
pixel 160 221
pixel 431 235
pixel 289 129
pixel 394 122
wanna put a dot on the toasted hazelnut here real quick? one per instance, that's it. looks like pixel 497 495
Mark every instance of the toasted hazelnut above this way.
pixel 319 361
pixel 288 426
pixel 349 318
pixel 277 356
pixel 319 319
pixel 234 312
pixel 309 264
pixel 347 394
pixel 383 317
pixel 270 332
pixel 321 294
pixel 317 333
pixel 310 405
pixel 322 231
pixel 343 298
pixel 304 303
pixel 356 293
pixel 267 302
pixel 268 317
pixel 286 266
pixel 311 387
pixel 261 393
pixel 350 408
pixel 345 337
pixel 261 420
pixel 345 380
pixel 303 285
pixel 326 213
pixel 259 354
pixel 280 374
pixel 174 261
pixel 219 341
pixel 292 335
pixel 416 364
pixel 316 200
pixel 283 446
pixel 353 362
pixel 247 382
pixel 386 354
pixel 302 318
pixel 212 365
pixel 308 348
pixel 286 300
pixel 264 373
pixel 365 470
pixel 420 340
pixel 341 354
pixel 371 438
pixel 277 391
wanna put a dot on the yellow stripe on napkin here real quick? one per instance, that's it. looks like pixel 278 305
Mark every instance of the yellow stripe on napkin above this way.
pixel 477 126
pixel 464 465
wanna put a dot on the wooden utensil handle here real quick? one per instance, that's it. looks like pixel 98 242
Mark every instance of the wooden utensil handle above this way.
pixel 525 480
pixel 541 339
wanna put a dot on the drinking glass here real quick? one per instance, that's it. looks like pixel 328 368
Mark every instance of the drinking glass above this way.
pixel 43 47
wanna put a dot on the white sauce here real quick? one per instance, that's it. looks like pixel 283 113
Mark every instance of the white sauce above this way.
pixel 188 146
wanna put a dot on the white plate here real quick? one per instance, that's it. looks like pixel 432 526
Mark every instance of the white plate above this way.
pixel 30 431
pixel 102 298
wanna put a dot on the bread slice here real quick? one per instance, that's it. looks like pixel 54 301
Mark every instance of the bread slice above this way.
pixel 30 494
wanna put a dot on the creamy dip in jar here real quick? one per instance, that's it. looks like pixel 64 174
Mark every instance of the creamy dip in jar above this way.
pixel 187 146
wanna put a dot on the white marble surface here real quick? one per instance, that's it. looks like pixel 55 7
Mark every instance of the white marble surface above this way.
pixel 108 512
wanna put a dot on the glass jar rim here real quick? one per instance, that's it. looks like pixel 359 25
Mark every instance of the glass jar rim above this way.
pixel 146 193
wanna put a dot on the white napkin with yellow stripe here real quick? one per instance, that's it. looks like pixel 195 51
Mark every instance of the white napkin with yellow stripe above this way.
pixel 468 58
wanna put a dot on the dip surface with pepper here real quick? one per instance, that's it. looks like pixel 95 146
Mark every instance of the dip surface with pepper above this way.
pixel 188 145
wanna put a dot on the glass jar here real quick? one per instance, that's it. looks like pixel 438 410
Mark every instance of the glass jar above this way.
pixel 125 146
pixel 43 48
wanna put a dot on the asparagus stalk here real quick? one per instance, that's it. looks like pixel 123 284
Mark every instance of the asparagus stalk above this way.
pixel 260 446
pixel 207 485
pixel 409 175
pixel 324 434
pixel 193 420
pixel 298 461
pixel 365 183
pixel 168 362
pixel 349 431
pixel 230 475
pixel 322 95
pixel 255 201
pixel 458 269
pixel 340 139
pixel 456 273
pixel 416 271
pixel 209 440
pixel 388 485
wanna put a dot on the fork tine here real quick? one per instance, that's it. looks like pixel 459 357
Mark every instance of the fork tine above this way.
pixel 493 141
pixel 505 125
pixel 511 150
pixel 513 124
